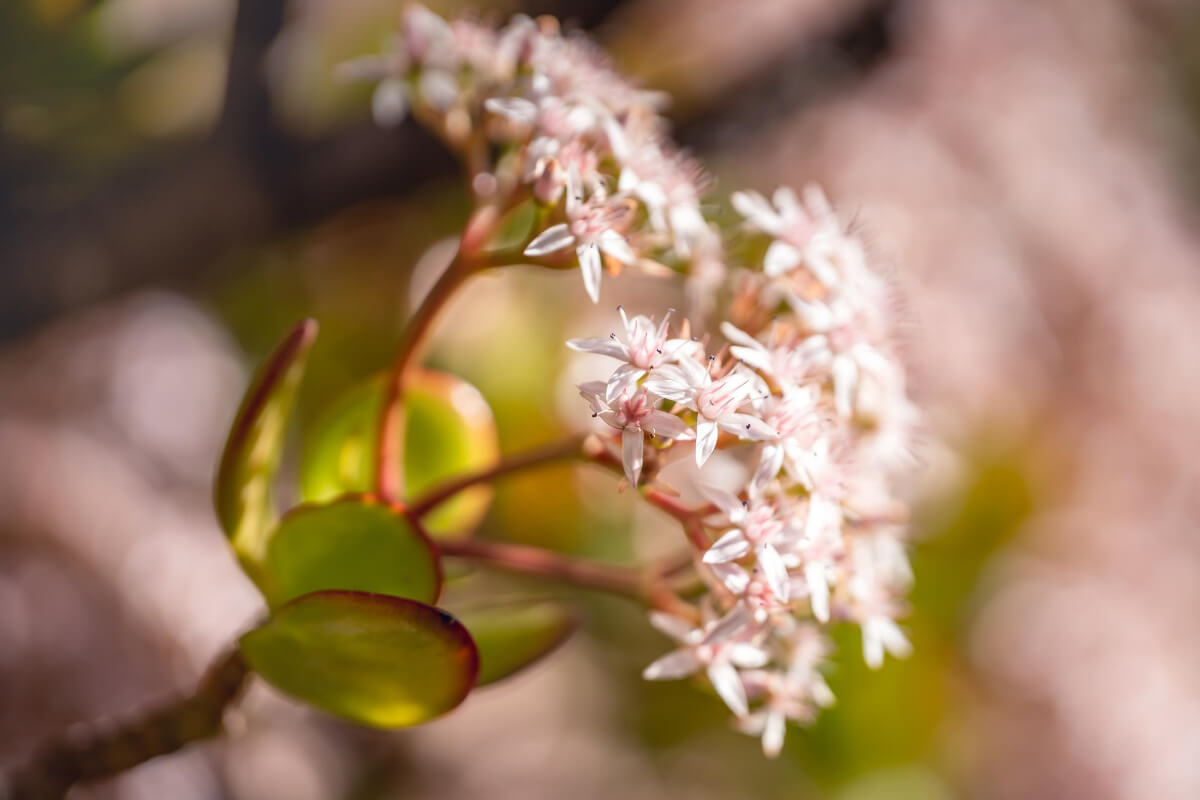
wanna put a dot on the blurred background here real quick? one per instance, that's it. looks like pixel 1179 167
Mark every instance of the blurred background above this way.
pixel 181 180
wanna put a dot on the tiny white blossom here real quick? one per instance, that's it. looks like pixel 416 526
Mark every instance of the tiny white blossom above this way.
pixel 633 413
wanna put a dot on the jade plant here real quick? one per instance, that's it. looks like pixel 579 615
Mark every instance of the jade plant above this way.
pixel 783 364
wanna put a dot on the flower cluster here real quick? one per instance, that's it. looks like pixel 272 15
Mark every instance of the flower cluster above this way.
pixel 574 136
pixel 808 379
pixel 800 380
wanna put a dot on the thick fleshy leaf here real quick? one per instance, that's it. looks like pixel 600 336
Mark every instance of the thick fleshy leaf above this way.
pixel 512 635
pixel 350 544
pixel 251 458
pixel 383 661
pixel 449 431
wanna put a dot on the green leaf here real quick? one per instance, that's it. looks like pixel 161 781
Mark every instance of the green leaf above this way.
pixel 354 544
pixel 512 635
pixel 383 661
pixel 449 431
pixel 247 471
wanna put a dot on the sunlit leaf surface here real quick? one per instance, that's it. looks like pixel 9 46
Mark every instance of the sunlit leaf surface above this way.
pixel 251 458
pixel 383 661
pixel 449 431
pixel 512 635
pixel 350 544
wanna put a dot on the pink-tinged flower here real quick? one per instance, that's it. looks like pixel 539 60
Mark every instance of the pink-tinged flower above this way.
pixel 758 528
pixel 633 413
pixel 794 417
pixel 791 694
pixel 789 366
pixel 872 605
pixel 806 234
pixel 817 552
pixel 719 647
pixel 643 348
pixel 716 402
pixel 592 229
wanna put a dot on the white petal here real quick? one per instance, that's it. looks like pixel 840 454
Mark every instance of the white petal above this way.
pixel 781 258
pixel 774 571
pixel 589 264
pixel 678 629
pixel 604 347
pixel 677 664
pixel 622 378
pixel 389 103
pixel 632 441
pixel 670 383
pixel 660 423
pixel 755 357
pixel 730 626
pixel 438 88
pixel 734 577
pixel 845 384
pixel 551 240
pixel 773 732
pixel 517 109
pixel 785 200
pixel 769 464
pixel 730 547
pixel 747 426
pixel 728 502
pixel 706 440
pixel 748 656
pixel 755 208
pixel 729 686
pixel 818 589
pixel 614 244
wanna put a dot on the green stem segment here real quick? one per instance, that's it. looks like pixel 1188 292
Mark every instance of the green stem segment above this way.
pixel 106 748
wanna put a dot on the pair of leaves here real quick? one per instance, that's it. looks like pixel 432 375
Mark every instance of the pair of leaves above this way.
pixel 352 581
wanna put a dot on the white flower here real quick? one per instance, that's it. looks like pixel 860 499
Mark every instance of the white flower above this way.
pixel 758 529
pixel 592 229
pixel 633 413
pixel 791 694
pixel 643 348
pixel 717 647
pixel 806 234
pixel 716 402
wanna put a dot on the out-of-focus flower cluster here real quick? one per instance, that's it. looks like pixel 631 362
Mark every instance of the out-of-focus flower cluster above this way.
pixel 587 145
pixel 804 379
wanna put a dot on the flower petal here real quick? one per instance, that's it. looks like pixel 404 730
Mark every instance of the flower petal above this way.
pixel 774 571
pixel 818 589
pixel 676 664
pixel 604 347
pixel 389 102
pixel 660 423
pixel 678 629
pixel 589 264
pixel 706 440
pixel 747 426
pixel 632 441
pixel 729 686
pixel 773 733
pixel 730 547
pixel 748 656
pixel 614 244
pixel 551 240
pixel 622 378
pixel 781 258
pixel 517 109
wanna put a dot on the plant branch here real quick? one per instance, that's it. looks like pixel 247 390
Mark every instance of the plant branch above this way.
pixel 568 448
pixel 105 748
pixel 625 581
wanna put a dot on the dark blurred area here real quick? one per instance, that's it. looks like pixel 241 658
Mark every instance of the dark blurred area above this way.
pixel 181 180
